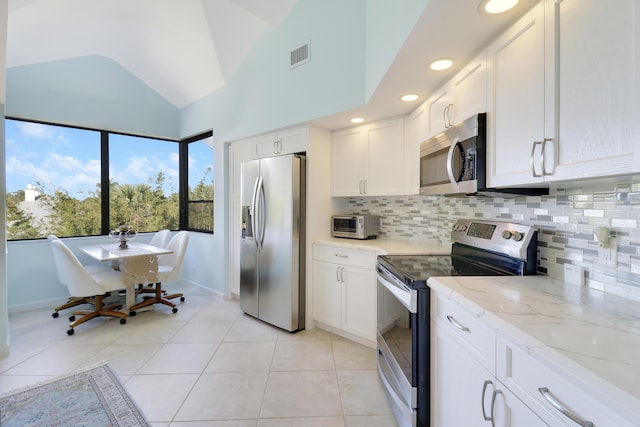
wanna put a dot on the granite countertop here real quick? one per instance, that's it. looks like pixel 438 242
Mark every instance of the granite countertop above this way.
pixel 590 336
pixel 387 246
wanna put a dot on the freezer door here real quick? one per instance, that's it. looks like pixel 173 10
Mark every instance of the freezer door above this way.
pixel 279 258
pixel 249 174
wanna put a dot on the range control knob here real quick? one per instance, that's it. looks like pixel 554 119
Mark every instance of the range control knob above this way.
pixel 517 236
pixel 506 234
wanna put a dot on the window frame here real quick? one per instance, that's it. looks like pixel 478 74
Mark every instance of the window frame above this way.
pixel 183 179
pixel 183 187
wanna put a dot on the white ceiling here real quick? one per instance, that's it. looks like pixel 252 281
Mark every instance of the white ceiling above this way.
pixel 183 49
pixel 186 49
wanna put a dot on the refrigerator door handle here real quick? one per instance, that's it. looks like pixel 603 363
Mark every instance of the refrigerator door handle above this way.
pixel 254 211
pixel 260 217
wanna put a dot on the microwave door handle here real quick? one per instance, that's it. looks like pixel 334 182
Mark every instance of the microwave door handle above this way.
pixel 452 178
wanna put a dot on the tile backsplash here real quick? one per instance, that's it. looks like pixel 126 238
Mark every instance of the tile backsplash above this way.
pixel 565 219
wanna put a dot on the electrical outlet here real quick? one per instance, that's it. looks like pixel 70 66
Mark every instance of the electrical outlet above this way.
pixel 608 256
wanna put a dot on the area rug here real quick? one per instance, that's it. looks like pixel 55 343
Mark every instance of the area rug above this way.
pixel 90 397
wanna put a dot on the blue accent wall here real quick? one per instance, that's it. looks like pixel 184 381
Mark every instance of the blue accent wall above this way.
pixel 89 91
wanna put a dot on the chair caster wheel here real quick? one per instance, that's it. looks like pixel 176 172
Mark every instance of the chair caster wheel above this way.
pixel 123 321
pixel 132 313
pixel 55 315
pixel 70 331
pixel 175 309
pixel 72 318
pixel 181 299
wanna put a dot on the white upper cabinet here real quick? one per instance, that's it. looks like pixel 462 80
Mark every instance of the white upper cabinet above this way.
pixel 369 160
pixel 563 97
pixel 284 142
pixel 463 96
pixel 469 89
pixel 597 88
pixel 516 116
pixel 440 113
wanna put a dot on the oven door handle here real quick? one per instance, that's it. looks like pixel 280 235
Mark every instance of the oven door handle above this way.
pixel 407 297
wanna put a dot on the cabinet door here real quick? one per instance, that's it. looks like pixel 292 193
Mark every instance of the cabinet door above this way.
pixel 385 158
pixel 285 142
pixel 597 88
pixel 439 107
pixel 516 101
pixel 457 383
pixel 464 393
pixel 470 90
pixel 327 293
pixel 417 127
pixel 348 157
pixel 359 302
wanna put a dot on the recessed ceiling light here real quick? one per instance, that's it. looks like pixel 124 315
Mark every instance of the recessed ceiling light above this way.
pixel 356 120
pixel 441 64
pixel 409 97
pixel 493 7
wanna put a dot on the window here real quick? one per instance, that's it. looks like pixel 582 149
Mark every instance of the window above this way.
pixel 197 180
pixel 53 180
pixel 56 175
pixel 143 183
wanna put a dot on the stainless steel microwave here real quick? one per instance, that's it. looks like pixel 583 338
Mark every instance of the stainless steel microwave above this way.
pixel 453 162
pixel 355 226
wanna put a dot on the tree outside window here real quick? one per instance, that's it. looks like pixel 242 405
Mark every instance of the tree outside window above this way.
pixel 55 177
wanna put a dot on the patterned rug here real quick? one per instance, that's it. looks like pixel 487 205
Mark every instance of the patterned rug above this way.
pixel 91 397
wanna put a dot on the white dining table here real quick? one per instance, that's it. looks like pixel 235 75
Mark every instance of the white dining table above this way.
pixel 138 263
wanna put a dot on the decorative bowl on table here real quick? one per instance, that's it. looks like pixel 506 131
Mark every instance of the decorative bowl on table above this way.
pixel 123 234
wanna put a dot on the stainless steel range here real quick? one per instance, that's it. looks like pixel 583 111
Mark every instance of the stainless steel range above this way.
pixel 479 248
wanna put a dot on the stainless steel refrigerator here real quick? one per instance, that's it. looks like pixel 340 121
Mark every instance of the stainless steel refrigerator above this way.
pixel 272 248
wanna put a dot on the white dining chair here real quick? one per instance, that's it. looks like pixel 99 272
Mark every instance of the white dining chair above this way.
pixel 161 239
pixel 75 301
pixel 82 284
pixel 169 269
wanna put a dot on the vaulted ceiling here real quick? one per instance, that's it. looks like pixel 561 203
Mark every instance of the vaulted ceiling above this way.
pixel 183 49
pixel 186 49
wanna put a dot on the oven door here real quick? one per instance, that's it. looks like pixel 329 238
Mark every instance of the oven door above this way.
pixel 397 310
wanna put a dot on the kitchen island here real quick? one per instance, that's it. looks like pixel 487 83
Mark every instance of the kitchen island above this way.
pixel 585 341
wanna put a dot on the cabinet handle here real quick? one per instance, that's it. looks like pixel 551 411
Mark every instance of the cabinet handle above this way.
pixel 455 323
pixel 341 256
pixel 450 115
pixel 533 164
pixel 544 144
pixel 364 186
pixel 544 391
pixel 444 116
pixel 484 392
pixel 342 274
pixel 338 274
pixel 493 407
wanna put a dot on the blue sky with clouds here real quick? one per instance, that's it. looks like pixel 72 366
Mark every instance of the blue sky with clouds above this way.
pixel 69 158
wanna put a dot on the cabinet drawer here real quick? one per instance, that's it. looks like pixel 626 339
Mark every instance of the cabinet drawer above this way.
pixel 350 257
pixel 532 380
pixel 475 335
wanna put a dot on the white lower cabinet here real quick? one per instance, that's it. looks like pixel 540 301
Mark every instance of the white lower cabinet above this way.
pixel 464 388
pixel 344 291
pixel 559 400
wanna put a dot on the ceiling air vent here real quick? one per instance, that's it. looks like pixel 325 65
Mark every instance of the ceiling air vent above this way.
pixel 300 55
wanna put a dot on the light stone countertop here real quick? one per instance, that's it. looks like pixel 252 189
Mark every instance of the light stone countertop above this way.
pixel 592 337
pixel 387 247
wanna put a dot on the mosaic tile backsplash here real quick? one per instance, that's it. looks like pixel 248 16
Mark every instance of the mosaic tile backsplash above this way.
pixel 565 219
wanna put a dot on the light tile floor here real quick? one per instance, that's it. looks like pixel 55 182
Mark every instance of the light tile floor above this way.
pixel 208 365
